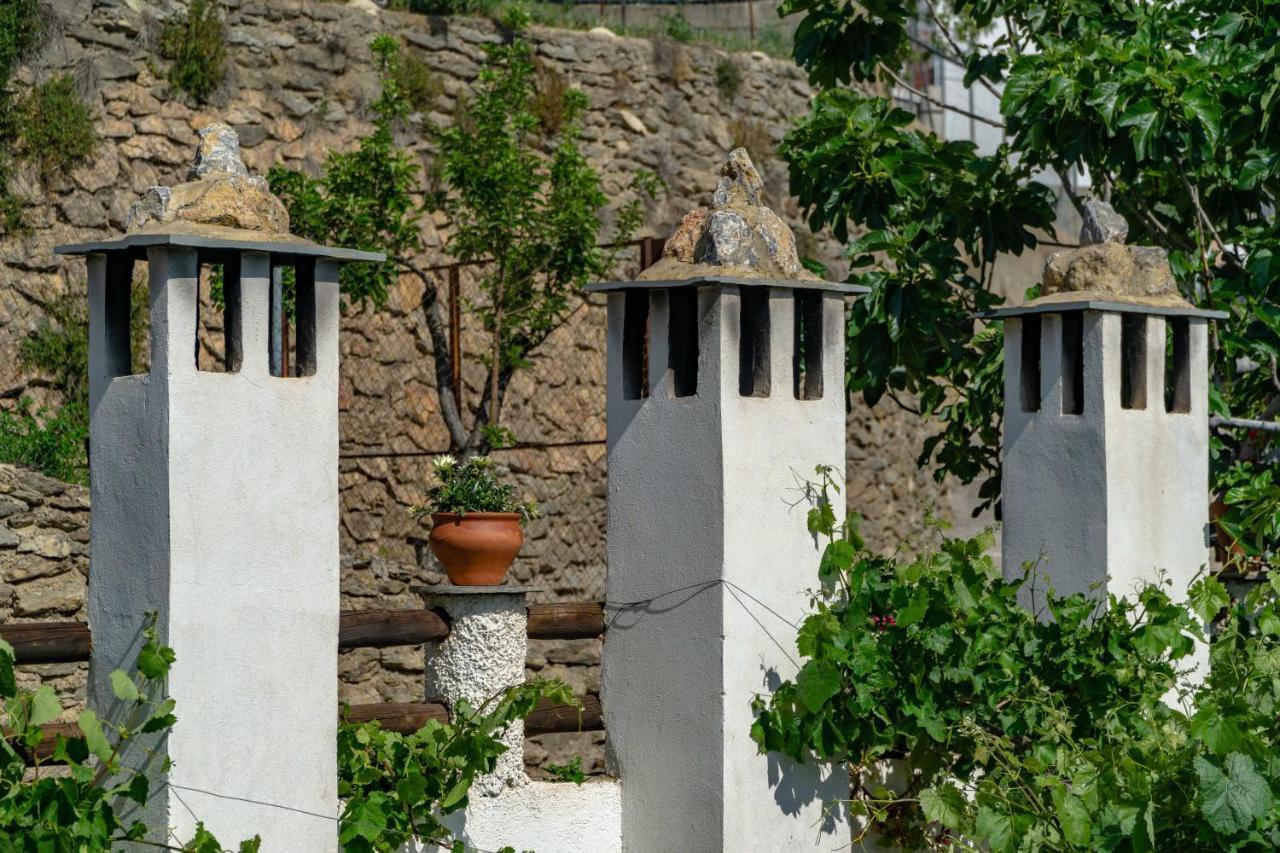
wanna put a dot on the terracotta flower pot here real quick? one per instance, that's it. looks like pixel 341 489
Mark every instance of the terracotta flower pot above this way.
pixel 477 548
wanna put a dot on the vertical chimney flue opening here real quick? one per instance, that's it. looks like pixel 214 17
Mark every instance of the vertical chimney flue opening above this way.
pixel 1030 363
pixel 1133 361
pixel 635 345
pixel 753 344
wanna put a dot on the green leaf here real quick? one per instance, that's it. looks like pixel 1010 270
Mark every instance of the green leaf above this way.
pixel 837 557
pixel 1234 797
pixel 1226 26
pixel 93 735
pixel 456 796
pixel 995 828
pixel 122 685
pixel 154 660
pixel 1073 815
pixel 8 682
pixel 1144 118
pixel 44 705
pixel 1208 597
pixel 1106 100
pixel 817 682
pixel 945 804
pixel 1200 104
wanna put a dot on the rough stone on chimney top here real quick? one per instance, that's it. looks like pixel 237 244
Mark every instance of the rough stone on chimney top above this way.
pixel 219 192
pixel 1102 224
pixel 218 152
pixel 1104 267
pixel 738 236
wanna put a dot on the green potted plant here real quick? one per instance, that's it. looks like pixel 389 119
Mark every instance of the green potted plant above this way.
pixel 475 520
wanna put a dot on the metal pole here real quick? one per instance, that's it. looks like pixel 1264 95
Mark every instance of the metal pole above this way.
pixel 455 334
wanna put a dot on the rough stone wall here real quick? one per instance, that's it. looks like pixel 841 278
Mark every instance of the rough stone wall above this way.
pixel 44 564
pixel 300 82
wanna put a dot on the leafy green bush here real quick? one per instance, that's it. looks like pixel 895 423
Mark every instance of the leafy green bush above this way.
pixel 1168 107
pixel 1026 733
pixel 78 809
pixel 675 26
pixel 479 8
pixel 49 441
pixel 196 47
pixel 397 787
pixel 471 486
pixel 52 440
pixel 524 207
pixel 48 123
pixel 1252 517
pixel 54 127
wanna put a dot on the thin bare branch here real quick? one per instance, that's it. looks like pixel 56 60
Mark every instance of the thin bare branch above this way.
pixel 931 99
pixel 955 47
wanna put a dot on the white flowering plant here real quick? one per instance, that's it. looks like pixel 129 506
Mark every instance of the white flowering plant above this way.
pixel 470 485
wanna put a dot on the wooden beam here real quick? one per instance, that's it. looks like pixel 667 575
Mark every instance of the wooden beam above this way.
pixel 547 718
pixel 572 620
pixel 378 628
pixel 69 642
pixel 403 717
pixel 406 717
pixel 47 642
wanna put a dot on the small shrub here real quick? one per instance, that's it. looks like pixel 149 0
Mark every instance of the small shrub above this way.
pixel 51 442
pixel 54 127
pixel 471 486
pixel 571 772
pixel 754 136
pixel 418 84
pixel 196 48
pixel 548 102
pixel 728 79
pixel 676 27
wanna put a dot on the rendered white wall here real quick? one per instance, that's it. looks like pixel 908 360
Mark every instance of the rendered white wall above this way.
pixel 1112 497
pixel 215 504
pixel 698 495
pixel 549 817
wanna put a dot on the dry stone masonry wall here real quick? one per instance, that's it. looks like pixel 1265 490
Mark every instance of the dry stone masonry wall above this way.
pixel 300 82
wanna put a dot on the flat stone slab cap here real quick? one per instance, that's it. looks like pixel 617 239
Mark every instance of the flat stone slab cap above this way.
pixel 1066 305
pixel 448 589
pixel 214 239
pixel 726 280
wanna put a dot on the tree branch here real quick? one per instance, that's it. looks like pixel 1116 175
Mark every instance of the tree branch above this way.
pixel 955 47
pixel 913 90
pixel 1194 192
pixel 438 330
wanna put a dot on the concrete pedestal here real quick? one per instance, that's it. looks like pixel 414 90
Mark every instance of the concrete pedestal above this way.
pixel 483 656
